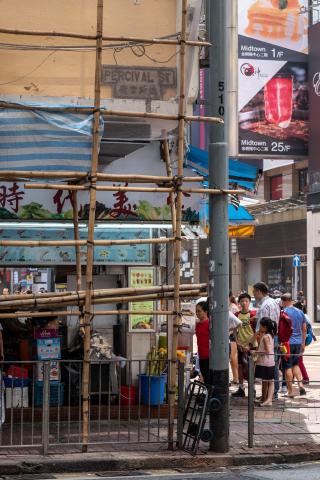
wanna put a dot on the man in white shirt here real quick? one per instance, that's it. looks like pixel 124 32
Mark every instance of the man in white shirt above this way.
pixel 268 307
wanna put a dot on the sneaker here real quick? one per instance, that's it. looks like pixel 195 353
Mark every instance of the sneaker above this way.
pixel 302 391
pixel 305 382
pixel 284 390
pixel 239 393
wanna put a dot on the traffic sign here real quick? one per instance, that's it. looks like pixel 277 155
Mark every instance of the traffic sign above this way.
pixel 296 261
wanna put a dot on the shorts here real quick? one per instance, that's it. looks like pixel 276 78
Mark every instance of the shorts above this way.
pixel 265 373
pixel 293 360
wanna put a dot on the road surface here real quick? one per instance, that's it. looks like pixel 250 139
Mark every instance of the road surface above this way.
pixel 310 471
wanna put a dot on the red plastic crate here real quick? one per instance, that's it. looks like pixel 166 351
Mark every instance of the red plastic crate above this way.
pixel 18 372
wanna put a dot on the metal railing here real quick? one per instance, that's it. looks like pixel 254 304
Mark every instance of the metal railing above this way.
pixel 288 417
pixel 127 406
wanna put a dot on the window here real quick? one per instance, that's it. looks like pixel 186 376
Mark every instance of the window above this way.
pixel 276 187
pixel 303 181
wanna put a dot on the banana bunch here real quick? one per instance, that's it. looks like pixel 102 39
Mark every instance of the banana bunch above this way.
pixel 157 360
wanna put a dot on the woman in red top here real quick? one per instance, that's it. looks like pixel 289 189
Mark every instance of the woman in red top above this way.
pixel 202 333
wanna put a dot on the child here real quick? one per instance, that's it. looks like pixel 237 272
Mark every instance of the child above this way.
pixel 265 366
pixel 245 339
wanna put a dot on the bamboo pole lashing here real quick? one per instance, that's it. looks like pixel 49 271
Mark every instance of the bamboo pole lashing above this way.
pixel 109 38
pixel 71 243
pixel 111 113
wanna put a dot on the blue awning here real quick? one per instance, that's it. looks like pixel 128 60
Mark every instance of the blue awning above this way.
pixel 240 174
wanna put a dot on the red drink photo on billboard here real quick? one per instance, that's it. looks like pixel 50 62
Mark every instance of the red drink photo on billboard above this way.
pixel 278 99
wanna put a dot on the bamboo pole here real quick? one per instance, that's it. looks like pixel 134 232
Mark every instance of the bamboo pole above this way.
pixel 130 178
pixel 109 38
pixel 173 332
pixel 77 313
pixel 111 113
pixel 106 188
pixel 37 300
pixel 112 300
pixel 92 215
pixel 71 243
pixel 74 197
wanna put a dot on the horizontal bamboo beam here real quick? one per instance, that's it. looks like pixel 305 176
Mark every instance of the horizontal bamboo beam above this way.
pixel 72 243
pixel 109 38
pixel 77 313
pixel 112 188
pixel 108 292
pixel 130 178
pixel 104 301
pixel 98 292
pixel 114 113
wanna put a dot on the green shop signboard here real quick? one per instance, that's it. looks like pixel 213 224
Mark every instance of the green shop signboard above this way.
pixel 62 255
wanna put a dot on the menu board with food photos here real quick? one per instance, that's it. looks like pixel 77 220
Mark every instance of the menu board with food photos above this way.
pixel 273 100
pixel 140 277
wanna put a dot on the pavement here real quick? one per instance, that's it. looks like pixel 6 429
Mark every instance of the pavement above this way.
pixel 287 432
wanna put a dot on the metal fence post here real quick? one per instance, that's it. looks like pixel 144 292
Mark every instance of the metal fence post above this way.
pixel 181 404
pixel 45 407
pixel 250 401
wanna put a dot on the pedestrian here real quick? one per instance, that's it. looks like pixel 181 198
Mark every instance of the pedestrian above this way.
pixel 303 370
pixel 297 344
pixel 233 307
pixel 268 308
pixel 265 366
pixel 245 338
pixel 203 335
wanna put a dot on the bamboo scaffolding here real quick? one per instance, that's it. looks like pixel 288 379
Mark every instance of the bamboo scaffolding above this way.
pixel 90 246
pixel 77 313
pixel 109 38
pixel 78 243
pixel 111 113
pixel 132 178
pixel 65 297
pixel 112 300
pixel 106 188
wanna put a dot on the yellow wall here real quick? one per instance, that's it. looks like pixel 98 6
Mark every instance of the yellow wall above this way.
pixel 47 73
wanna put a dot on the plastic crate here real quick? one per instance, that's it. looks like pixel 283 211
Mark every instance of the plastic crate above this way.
pixel 18 372
pixel 10 382
pixel 56 398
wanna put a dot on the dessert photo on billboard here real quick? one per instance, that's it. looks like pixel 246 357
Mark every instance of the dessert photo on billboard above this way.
pixel 275 119
pixel 279 22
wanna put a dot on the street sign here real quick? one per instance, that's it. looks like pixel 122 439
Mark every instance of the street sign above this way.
pixel 296 261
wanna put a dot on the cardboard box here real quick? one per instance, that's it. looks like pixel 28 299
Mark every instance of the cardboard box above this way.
pixel 54 371
pixel 48 348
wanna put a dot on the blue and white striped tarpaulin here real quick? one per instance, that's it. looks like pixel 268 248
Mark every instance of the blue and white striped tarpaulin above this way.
pixel 41 140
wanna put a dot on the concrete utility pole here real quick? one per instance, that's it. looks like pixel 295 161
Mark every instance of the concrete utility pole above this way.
pixel 218 15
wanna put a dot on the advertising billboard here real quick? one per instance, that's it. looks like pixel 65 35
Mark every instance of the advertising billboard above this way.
pixel 314 92
pixel 273 100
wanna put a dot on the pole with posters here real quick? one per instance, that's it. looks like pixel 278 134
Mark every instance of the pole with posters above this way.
pixel 218 14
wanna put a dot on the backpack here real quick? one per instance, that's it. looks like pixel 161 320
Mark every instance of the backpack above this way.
pixel 285 327
pixel 310 335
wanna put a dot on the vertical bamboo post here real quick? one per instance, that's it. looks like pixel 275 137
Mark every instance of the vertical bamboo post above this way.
pixel 169 174
pixel 173 333
pixel 90 246
pixel 74 196
pixel 76 237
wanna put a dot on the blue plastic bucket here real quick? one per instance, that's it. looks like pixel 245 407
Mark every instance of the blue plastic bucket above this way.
pixel 152 389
